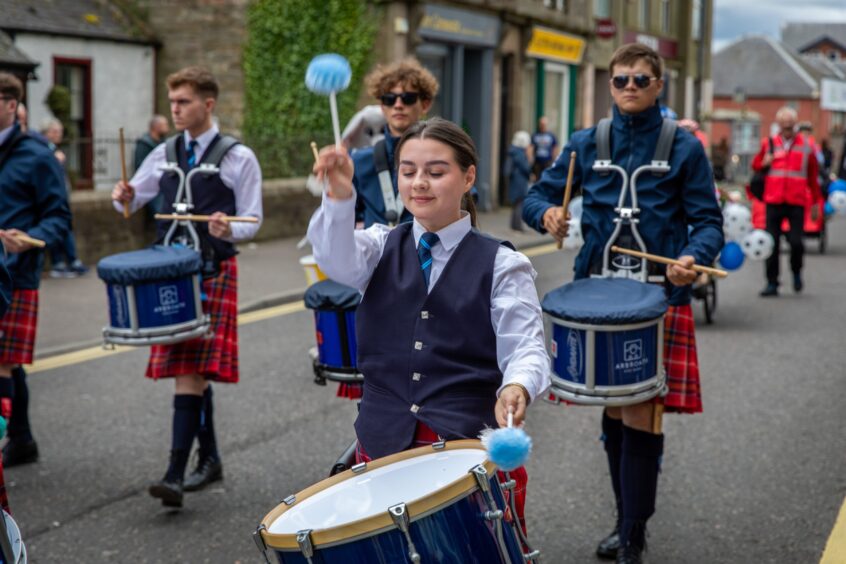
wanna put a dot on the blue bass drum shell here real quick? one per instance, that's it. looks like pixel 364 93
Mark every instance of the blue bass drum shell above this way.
pixel 334 308
pixel 606 341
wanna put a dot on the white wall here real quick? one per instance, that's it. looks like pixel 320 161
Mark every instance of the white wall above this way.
pixel 122 90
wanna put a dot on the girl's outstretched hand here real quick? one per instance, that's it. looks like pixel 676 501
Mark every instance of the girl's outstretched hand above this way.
pixel 335 166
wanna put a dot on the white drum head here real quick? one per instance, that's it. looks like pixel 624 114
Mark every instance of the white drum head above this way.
pixel 14 533
pixel 373 492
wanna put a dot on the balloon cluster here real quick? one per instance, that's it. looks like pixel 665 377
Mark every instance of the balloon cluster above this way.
pixel 742 240
pixel 574 239
pixel 836 203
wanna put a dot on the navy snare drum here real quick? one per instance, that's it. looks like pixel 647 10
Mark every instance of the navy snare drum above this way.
pixel 334 308
pixel 438 503
pixel 606 341
pixel 154 296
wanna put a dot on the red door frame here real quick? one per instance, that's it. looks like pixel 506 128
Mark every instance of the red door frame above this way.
pixel 86 177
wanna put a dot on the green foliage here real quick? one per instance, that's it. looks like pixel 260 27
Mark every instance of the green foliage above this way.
pixel 58 99
pixel 282 116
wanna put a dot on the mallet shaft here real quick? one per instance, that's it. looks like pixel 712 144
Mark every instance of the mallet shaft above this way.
pixel 664 260
pixel 126 213
pixel 206 218
pixel 567 191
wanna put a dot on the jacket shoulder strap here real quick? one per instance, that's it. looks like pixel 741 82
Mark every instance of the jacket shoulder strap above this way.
pixel 214 156
pixel 603 140
pixel 170 149
pixel 393 204
pixel 664 145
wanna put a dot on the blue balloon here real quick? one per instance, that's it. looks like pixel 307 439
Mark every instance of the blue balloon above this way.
pixel 328 73
pixel 838 185
pixel 829 209
pixel 731 257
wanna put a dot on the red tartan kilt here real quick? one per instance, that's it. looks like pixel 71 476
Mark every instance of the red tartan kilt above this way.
pixel 680 363
pixel 17 328
pixel 216 357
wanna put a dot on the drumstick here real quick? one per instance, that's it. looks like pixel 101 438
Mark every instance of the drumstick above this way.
pixel 206 218
pixel 126 213
pixel 664 260
pixel 23 237
pixel 314 150
pixel 567 190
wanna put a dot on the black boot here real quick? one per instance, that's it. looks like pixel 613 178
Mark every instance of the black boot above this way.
pixel 612 438
pixel 169 488
pixel 639 469
pixel 208 470
pixel 209 467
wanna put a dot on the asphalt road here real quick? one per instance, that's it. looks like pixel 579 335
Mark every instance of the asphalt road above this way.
pixel 758 477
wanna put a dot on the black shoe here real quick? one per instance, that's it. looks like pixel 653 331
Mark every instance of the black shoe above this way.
pixel 169 492
pixel 797 283
pixel 19 452
pixel 207 471
pixel 631 554
pixel 608 547
pixel 770 291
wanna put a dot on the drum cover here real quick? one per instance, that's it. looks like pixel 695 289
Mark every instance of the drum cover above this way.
pixel 606 301
pixel 329 295
pixel 149 265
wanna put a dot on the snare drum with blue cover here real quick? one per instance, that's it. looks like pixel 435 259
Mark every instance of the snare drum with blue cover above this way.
pixel 606 341
pixel 154 296
pixel 334 308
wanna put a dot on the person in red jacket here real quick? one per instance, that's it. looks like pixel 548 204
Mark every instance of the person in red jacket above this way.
pixel 792 170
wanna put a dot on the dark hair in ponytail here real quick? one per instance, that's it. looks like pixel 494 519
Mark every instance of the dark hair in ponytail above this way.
pixel 448 133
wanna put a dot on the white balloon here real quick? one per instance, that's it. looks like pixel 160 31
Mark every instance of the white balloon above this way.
pixel 758 245
pixel 837 199
pixel 737 221
pixel 575 208
pixel 574 239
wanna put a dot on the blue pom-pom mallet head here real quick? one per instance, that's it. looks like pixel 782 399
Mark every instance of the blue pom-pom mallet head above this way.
pixel 328 74
pixel 508 447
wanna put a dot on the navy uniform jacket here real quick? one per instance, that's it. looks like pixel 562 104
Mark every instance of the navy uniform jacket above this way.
pixel 369 204
pixel 668 204
pixel 5 289
pixel 33 199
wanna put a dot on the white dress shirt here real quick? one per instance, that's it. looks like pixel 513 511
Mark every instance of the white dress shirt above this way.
pixel 239 171
pixel 350 257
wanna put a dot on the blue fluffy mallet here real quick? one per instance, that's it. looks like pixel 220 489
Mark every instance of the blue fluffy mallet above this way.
pixel 508 447
pixel 328 74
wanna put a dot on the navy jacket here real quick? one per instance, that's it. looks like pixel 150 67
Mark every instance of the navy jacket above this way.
pixel 427 357
pixel 682 197
pixel 5 289
pixel 33 199
pixel 369 204
pixel 518 170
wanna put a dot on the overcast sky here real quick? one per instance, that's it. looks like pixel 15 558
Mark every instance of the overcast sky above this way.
pixel 735 18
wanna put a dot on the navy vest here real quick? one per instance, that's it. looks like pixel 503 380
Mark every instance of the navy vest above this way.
pixel 427 357
pixel 209 194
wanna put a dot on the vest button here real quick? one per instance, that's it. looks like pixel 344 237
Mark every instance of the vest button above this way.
pixel 416 376
pixel 415 408
pixel 418 345
pixel 424 315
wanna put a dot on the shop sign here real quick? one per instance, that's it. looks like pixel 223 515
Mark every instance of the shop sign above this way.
pixel 458 26
pixel 667 48
pixel 556 46
pixel 605 28
pixel 833 95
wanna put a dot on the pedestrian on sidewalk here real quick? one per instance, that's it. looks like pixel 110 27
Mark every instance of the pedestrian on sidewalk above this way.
pixel 544 147
pixel 65 262
pixel 236 190
pixel 517 170
pixel 34 203
pixel 157 131
pixel 405 91
pixel 479 349
pixel 682 197
pixel 792 176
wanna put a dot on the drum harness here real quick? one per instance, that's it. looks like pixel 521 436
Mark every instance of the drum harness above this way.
pixel 625 266
pixel 393 204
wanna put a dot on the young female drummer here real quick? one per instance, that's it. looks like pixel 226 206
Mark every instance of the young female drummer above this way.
pixel 449 331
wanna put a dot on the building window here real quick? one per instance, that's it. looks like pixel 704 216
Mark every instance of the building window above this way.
pixel 643 14
pixel 560 5
pixel 665 16
pixel 75 75
pixel 696 24
pixel 602 8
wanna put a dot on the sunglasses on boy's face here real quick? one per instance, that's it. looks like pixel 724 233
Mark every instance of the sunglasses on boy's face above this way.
pixel 640 80
pixel 408 98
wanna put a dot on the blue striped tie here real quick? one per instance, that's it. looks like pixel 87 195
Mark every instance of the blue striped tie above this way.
pixel 192 155
pixel 424 253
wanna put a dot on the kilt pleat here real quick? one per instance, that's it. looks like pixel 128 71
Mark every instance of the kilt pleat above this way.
pixel 17 328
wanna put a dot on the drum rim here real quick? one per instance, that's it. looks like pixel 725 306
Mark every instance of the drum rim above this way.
pixel 368 526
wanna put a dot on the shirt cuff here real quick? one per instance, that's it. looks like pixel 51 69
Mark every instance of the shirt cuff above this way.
pixel 524 381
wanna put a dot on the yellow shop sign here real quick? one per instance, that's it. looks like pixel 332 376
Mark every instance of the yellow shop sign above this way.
pixel 556 46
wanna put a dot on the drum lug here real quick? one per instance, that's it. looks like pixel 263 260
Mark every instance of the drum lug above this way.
pixel 358 468
pixel 481 475
pixel 533 556
pixel 262 546
pixel 493 515
pixel 439 445
pixel 304 541
pixel 508 485
pixel 399 515
pixel 290 500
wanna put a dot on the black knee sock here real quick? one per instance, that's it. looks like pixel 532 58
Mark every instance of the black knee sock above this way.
pixel 19 421
pixel 205 436
pixel 186 421
pixel 639 468
pixel 612 438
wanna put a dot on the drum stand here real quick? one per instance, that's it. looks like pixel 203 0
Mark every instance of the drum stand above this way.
pixel 184 208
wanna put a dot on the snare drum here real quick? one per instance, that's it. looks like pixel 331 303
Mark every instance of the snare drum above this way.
pixel 16 545
pixel 334 308
pixel 154 296
pixel 606 341
pixel 438 503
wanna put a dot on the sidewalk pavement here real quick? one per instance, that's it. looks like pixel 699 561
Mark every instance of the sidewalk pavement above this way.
pixel 72 312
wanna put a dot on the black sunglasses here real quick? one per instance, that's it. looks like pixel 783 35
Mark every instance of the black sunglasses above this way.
pixel 640 80
pixel 408 98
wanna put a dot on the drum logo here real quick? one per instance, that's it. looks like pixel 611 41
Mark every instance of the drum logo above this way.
pixel 169 300
pixel 574 361
pixel 633 350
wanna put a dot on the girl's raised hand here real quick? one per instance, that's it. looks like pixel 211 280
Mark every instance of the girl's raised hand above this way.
pixel 336 167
